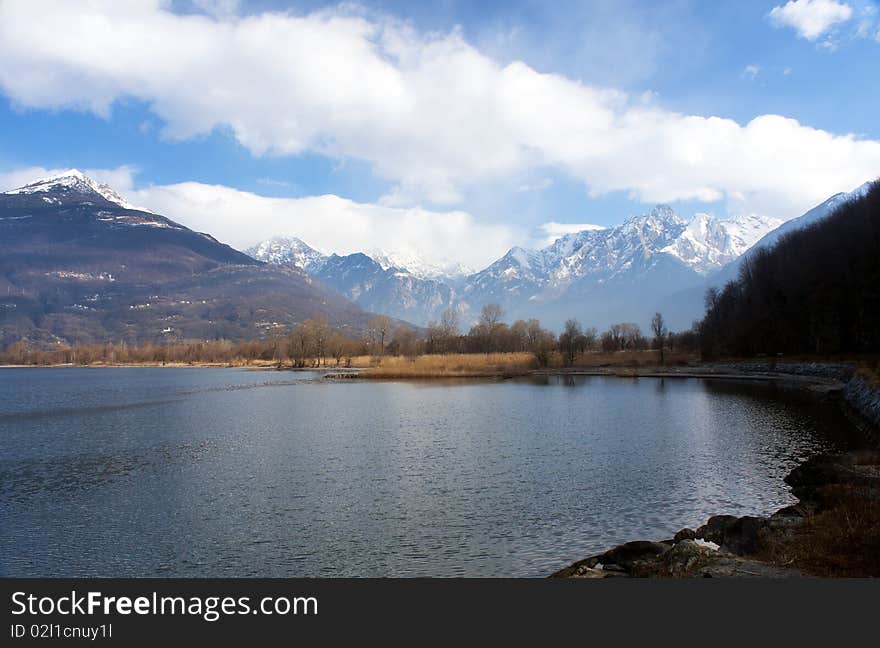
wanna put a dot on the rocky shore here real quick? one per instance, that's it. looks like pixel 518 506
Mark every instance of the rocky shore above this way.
pixel 833 530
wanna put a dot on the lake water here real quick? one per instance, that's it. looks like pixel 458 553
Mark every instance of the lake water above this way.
pixel 227 472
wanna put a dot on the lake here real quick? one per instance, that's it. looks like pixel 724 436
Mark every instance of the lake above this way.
pixel 230 472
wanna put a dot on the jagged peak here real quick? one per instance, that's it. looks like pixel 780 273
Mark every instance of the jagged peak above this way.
pixel 74 180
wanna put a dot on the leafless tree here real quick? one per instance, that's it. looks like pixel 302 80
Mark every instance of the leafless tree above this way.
pixel 380 327
pixel 658 326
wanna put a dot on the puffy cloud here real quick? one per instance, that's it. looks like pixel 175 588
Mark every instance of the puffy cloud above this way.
pixel 329 223
pixel 427 111
pixel 811 18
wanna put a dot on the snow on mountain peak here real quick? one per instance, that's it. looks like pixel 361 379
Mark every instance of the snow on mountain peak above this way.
pixel 418 265
pixel 708 243
pixel 74 180
pixel 281 249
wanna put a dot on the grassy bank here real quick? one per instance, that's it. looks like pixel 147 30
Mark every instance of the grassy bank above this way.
pixel 464 365
pixel 453 365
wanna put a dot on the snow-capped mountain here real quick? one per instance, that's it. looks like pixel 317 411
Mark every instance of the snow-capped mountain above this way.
pixel 417 265
pixel 619 273
pixel 77 264
pixel 397 284
pixel 600 270
pixel 660 260
pixel 707 243
pixel 74 181
pixel 700 244
pixel 391 290
pixel 282 250
pixel 767 239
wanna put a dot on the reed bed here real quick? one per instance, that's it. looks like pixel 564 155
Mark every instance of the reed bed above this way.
pixel 453 365
pixel 463 365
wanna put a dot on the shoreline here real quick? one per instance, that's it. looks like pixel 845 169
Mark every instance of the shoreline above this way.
pixel 825 533
pixel 799 540
pixel 709 372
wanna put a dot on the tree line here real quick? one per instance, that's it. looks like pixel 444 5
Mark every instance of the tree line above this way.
pixel 314 343
pixel 817 290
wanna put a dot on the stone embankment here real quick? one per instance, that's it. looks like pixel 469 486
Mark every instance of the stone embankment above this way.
pixel 862 398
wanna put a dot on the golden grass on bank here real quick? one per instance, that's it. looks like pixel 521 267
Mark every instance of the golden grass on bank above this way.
pixel 454 365
pixel 481 364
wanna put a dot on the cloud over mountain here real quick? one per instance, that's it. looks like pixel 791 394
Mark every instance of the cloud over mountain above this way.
pixel 428 112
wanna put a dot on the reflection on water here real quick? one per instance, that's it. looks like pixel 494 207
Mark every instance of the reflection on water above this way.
pixel 224 472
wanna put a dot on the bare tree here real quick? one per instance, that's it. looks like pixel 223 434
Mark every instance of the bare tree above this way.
pixel 488 325
pixel 441 334
pixel 338 345
pixel 404 342
pixel 449 322
pixel 570 340
pixel 320 337
pixel 380 326
pixel 658 326
pixel 302 343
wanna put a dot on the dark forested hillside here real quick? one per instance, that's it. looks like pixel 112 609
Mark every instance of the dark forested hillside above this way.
pixel 816 291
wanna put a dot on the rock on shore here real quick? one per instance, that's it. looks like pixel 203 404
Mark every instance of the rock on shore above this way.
pixel 748 546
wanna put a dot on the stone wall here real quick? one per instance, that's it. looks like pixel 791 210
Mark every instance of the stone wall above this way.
pixel 862 394
pixel 830 371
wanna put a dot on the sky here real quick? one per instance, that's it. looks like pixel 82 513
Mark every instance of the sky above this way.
pixel 453 129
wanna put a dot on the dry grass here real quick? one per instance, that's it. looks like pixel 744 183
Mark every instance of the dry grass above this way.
pixel 841 541
pixel 506 364
pixel 455 365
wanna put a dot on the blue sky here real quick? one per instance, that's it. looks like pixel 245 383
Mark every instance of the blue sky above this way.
pixel 645 78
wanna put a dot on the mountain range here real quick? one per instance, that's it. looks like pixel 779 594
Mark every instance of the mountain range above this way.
pixel 658 261
pixel 80 263
pixel 597 275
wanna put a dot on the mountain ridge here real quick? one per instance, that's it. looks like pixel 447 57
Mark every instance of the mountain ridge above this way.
pixel 527 282
pixel 79 265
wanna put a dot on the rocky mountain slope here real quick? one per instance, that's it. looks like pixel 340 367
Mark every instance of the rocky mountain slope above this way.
pixel 599 276
pixel 79 264
pixel 373 283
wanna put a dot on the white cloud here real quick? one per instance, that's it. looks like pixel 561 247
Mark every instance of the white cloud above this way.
pixel 751 72
pixel 868 25
pixel 328 223
pixel 428 112
pixel 811 18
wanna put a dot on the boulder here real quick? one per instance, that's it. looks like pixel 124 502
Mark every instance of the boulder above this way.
pixel 618 561
pixel 740 536
pixel 685 559
pixel 684 534
pixel 626 555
